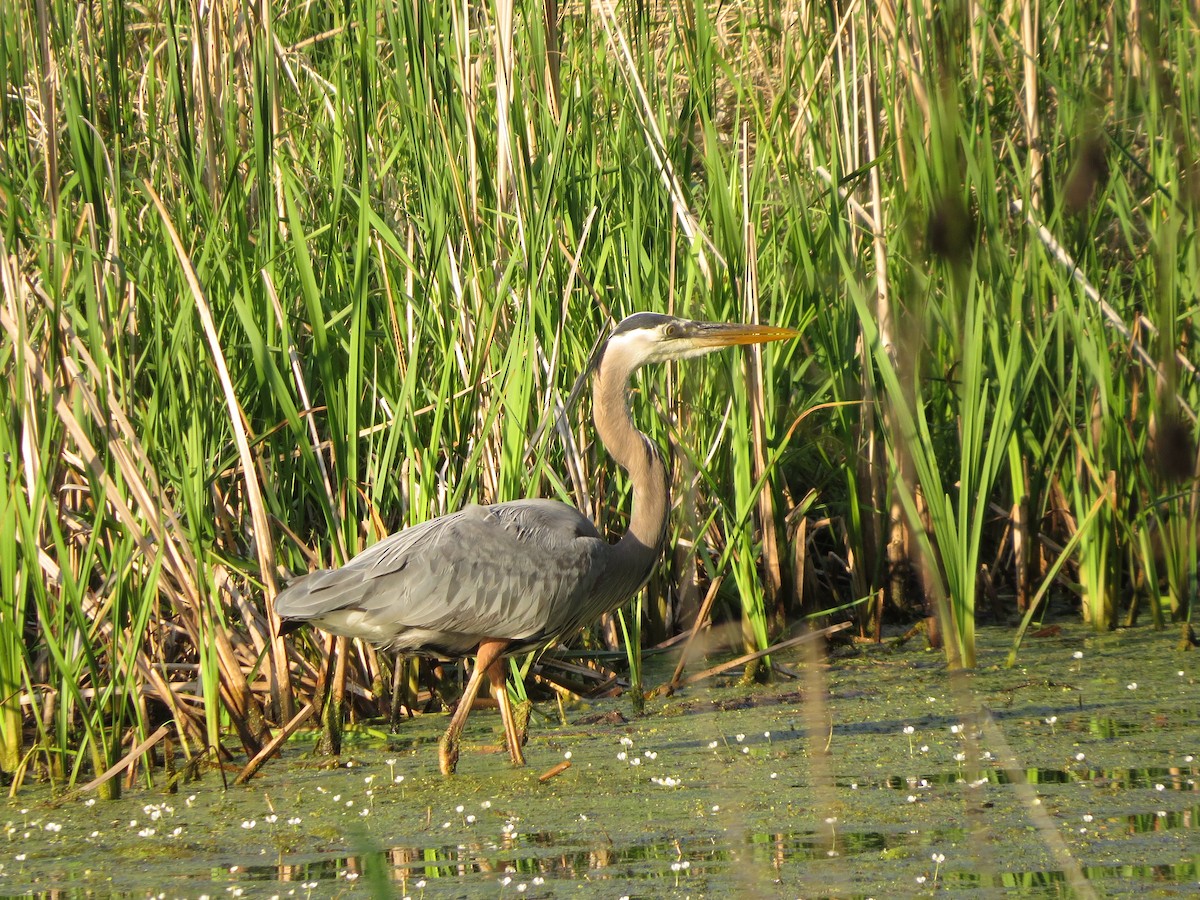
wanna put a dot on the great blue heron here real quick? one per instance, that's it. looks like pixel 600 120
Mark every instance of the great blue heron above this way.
pixel 500 579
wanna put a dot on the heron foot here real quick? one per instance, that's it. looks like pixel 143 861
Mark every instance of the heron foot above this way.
pixel 448 753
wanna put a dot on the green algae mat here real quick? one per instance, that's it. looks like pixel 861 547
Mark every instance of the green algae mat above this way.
pixel 878 774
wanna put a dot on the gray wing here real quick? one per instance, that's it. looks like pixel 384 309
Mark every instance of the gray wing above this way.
pixel 511 570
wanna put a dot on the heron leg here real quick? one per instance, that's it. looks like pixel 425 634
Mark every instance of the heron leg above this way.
pixel 489 654
pixel 513 737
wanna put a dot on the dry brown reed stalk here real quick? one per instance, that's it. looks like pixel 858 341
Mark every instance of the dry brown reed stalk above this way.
pixel 701 245
pixel 1111 317
pixel 772 565
pixel 120 438
pixel 1030 48
pixel 876 477
pixel 260 536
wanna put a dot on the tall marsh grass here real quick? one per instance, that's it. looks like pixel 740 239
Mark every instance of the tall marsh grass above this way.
pixel 281 278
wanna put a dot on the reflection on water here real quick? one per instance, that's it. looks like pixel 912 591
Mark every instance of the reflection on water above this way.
pixel 545 857
pixel 1159 779
pixel 527 871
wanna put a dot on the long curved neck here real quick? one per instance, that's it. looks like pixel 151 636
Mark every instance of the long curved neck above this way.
pixel 639 548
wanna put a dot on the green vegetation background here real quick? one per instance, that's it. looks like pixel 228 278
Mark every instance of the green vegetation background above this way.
pixel 281 278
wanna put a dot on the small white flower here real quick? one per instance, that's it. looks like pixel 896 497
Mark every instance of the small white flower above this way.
pixel 1078 654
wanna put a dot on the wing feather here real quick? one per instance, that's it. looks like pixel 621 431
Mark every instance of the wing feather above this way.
pixel 510 570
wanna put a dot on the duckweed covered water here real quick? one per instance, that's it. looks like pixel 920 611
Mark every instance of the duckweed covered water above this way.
pixel 1075 774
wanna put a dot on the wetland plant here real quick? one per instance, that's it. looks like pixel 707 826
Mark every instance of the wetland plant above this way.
pixel 277 285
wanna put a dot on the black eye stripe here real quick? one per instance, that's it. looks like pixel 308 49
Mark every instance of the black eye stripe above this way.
pixel 640 321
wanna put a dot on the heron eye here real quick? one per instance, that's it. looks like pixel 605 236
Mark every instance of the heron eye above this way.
pixel 670 330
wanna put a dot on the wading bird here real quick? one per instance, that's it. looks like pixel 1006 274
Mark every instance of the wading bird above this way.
pixel 500 579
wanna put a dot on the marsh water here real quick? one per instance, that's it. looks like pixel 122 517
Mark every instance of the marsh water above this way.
pixel 1074 773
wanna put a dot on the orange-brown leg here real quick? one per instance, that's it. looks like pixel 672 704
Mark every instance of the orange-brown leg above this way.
pixel 500 692
pixel 489 654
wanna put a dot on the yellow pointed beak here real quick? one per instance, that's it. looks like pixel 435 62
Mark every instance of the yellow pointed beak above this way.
pixel 728 334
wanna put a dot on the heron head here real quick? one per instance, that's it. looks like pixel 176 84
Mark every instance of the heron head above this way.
pixel 652 337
